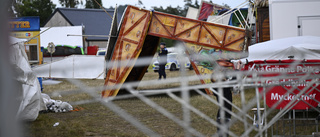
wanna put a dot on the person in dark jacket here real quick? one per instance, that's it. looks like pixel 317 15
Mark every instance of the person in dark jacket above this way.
pixel 162 60
pixel 224 66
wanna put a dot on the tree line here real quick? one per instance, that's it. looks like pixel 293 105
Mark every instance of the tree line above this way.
pixel 44 8
pixel 180 11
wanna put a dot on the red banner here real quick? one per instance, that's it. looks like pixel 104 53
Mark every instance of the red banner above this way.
pixel 290 69
pixel 208 9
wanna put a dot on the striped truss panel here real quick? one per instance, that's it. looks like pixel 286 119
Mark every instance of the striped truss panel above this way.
pixel 128 47
pixel 197 32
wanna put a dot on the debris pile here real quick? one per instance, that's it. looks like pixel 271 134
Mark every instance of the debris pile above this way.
pixel 56 105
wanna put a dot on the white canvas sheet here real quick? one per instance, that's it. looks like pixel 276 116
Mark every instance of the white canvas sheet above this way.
pixel 29 97
pixel 74 66
pixel 192 13
pixel 303 47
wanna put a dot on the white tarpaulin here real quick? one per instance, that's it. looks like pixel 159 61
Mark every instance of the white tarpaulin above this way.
pixel 58 35
pixel 303 47
pixel 30 97
pixel 224 20
pixel 192 13
pixel 74 66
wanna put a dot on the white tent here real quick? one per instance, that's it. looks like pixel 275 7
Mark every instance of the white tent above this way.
pixel 30 97
pixel 74 66
pixel 303 47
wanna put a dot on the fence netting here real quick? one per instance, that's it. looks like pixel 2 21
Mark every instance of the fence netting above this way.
pixel 268 98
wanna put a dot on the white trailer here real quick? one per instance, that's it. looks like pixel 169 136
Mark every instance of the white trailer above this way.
pixel 290 18
pixel 59 35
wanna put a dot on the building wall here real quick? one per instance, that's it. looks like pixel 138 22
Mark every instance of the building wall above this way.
pixel 285 14
pixel 59 35
pixel 57 20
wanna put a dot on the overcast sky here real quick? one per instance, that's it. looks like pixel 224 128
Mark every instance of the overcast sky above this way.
pixel 164 3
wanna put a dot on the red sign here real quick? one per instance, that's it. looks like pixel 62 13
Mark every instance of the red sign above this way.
pixel 303 93
pixel 306 100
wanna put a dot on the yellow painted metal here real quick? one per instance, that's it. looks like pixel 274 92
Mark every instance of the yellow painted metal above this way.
pixel 198 32
pixel 128 47
pixel 201 37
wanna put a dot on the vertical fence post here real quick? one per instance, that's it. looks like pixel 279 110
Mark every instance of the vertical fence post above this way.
pixel 9 126
pixel 184 90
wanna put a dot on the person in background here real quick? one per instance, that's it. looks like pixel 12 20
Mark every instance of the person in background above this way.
pixel 162 60
pixel 238 65
pixel 224 66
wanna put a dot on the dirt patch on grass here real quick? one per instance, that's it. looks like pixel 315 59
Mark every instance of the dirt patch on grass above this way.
pixel 97 120
pixel 170 74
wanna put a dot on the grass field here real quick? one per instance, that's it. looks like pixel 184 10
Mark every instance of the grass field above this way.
pixel 97 120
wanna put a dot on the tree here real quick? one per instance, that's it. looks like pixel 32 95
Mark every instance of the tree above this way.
pixel 12 8
pixel 180 11
pixel 93 4
pixel 70 3
pixel 111 7
pixel 226 5
pixel 196 4
pixel 188 3
pixel 170 10
pixel 140 4
pixel 41 8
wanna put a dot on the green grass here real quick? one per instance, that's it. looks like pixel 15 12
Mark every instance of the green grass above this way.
pixel 97 120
